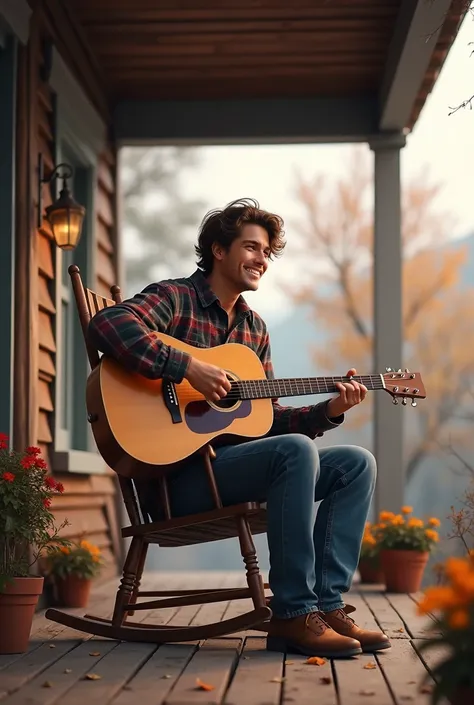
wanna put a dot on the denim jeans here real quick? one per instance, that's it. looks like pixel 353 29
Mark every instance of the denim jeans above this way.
pixel 313 556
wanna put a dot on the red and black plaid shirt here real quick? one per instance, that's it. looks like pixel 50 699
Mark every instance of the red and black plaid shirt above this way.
pixel 188 310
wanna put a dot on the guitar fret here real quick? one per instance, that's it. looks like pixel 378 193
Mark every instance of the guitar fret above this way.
pixel 274 388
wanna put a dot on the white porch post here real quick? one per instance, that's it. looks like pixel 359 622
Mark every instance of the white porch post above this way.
pixel 388 339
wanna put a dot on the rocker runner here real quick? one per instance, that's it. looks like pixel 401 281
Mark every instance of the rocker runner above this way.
pixel 312 560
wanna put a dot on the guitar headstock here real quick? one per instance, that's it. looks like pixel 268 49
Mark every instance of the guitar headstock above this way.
pixel 405 385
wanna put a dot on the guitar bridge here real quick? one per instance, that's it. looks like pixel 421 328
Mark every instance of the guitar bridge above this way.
pixel 171 400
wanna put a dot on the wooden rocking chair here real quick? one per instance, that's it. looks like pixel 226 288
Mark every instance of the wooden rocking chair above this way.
pixel 240 521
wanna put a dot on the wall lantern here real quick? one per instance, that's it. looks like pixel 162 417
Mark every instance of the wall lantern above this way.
pixel 65 215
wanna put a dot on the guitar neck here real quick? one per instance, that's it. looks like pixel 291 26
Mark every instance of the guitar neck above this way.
pixel 273 388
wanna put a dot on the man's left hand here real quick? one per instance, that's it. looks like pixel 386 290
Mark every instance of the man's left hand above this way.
pixel 350 394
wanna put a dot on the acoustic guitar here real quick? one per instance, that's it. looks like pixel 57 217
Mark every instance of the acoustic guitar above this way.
pixel 159 422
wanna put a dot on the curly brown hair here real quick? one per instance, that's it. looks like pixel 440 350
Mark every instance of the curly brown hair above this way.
pixel 224 226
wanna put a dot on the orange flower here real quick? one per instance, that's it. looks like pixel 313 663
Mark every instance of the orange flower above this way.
pixel 459 619
pixel 434 521
pixel 415 523
pixel 65 550
pixel 398 520
pixel 432 535
pixel 442 597
pixel 386 516
pixel 407 510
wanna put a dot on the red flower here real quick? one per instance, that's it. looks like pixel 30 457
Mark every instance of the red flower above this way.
pixel 28 461
pixel 8 476
pixel 50 481
pixel 3 441
pixel 60 487
pixel 40 463
pixel 47 502
pixel 33 450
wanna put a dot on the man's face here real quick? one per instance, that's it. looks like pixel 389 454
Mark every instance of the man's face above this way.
pixel 247 259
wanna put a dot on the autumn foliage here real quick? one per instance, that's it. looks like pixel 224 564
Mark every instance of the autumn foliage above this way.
pixel 336 241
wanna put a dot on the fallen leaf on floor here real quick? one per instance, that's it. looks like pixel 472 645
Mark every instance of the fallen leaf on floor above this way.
pixel 289 663
pixel 52 646
pixel 325 680
pixel 47 684
pixel 94 653
pixel 370 665
pixel 204 686
pixel 92 677
pixel 68 670
pixel 315 661
pixel 400 631
pixel 426 689
pixel 167 675
pixel 367 692
pixel 246 657
pixel 277 679
pixel 406 697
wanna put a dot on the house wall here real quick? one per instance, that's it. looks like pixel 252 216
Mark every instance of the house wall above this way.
pixel 41 357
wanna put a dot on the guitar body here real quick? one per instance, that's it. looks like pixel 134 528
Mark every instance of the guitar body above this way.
pixel 129 415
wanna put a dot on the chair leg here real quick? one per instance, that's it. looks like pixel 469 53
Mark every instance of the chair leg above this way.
pixel 136 588
pixel 128 582
pixel 249 554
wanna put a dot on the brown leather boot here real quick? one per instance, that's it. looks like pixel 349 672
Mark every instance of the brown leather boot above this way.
pixel 309 635
pixel 345 625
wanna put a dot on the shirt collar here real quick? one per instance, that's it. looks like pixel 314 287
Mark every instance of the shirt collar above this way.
pixel 208 297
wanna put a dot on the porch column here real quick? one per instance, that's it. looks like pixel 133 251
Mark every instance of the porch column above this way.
pixel 388 338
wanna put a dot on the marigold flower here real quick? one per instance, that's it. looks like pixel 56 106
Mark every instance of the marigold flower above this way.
pixel 459 619
pixel 65 550
pixel 386 516
pixel 433 521
pixel 8 476
pixel 441 597
pixel 415 523
pixel 432 535
pixel 398 520
pixel 407 510
pixel 369 540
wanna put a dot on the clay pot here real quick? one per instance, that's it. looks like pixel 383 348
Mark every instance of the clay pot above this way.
pixel 73 591
pixel 370 572
pixel 403 569
pixel 17 607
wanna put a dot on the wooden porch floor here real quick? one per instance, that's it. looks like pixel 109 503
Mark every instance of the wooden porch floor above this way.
pixel 67 667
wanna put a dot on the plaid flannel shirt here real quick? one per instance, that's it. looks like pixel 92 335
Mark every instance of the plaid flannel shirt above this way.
pixel 188 310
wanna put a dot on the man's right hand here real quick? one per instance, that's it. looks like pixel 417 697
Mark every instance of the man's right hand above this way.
pixel 210 380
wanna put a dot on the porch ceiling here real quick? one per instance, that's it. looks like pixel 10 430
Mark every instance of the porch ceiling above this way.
pixel 341 52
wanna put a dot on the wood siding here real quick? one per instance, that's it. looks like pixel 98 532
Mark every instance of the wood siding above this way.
pixel 90 501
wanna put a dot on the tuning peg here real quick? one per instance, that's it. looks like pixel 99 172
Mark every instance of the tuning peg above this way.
pixel 404 401
pixel 399 371
pixel 388 369
pixel 394 400
pixel 407 370
pixel 413 403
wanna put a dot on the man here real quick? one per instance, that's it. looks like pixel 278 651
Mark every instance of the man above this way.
pixel 312 562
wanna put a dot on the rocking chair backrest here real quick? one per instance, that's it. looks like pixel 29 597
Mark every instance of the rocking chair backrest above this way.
pixel 88 304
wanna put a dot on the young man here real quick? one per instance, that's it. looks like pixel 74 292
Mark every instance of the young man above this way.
pixel 312 562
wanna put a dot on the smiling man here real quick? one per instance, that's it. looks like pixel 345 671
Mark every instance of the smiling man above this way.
pixel 312 561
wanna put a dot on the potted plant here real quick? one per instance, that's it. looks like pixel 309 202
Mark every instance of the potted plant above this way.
pixel 73 568
pixel 405 543
pixel 370 569
pixel 453 606
pixel 27 528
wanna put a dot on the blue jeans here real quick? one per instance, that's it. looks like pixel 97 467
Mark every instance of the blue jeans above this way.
pixel 312 558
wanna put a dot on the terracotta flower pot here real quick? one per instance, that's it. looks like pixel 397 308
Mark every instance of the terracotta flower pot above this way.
pixel 17 607
pixel 370 572
pixel 73 591
pixel 403 569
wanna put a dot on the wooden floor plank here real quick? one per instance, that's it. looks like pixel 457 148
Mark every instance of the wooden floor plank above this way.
pixel 31 664
pixel 362 616
pixel 386 617
pixel 62 675
pixel 358 685
pixel 114 670
pixel 212 664
pixel 258 678
pixel 405 673
pixel 416 625
pixel 153 683
pixel 307 684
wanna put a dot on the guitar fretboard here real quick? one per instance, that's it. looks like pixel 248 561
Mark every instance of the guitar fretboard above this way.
pixel 272 388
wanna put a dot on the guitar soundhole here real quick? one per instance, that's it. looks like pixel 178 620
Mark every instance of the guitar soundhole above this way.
pixel 225 403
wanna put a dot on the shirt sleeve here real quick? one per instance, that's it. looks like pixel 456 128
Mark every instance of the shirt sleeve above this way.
pixel 126 333
pixel 311 420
